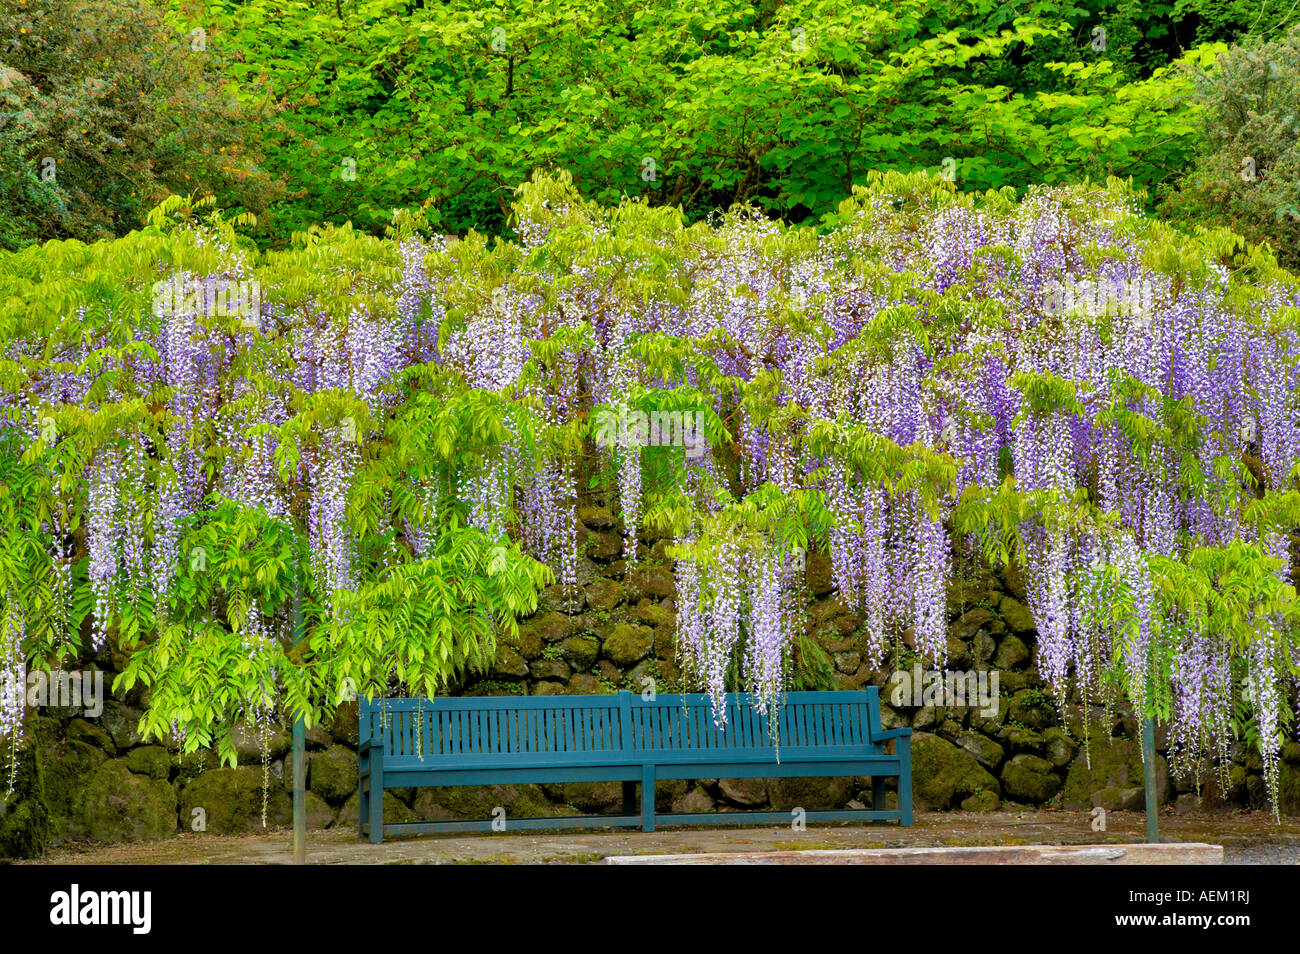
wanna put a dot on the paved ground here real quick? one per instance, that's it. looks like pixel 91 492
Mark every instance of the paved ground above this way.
pixel 1247 837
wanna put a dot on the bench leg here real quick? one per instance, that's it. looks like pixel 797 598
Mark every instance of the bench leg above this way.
pixel 364 805
pixel 376 798
pixel 878 792
pixel 905 782
pixel 629 798
pixel 648 798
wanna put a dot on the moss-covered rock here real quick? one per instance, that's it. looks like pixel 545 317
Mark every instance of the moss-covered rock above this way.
pixel 80 730
pixel 696 801
pixel 604 595
pixel 231 799
pixel 509 663
pixel 66 770
pixel 942 773
pixel 987 752
pixel 1033 708
pixel 1059 748
pixel 1012 653
pixel 743 792
pixel 651 581
pixel 1288 794
pixel 1115 763
pixel 395 813
pixel 332 774
pixel 549 627
pixel 584 684
pixel 654 614
pixel 479 802
pixel 811 794
pixel 981 802
pixel 525 640
pixel 123 806
pixel 1019 739
pixel 580 652
pixel 1016 615
pixel 587 797
pixel 253 743
pixel 121 722
pixel 151 760
pixel 604 545
pixel 556 669
pixel 319 814
pixel 1030 779
pixel 1120 799
pixel 24 819
pixel 628 643
pixel 345 727
pixel 818 574
pixel 559 598
pixel 1013 577
pixel 598 517
pixel 970 623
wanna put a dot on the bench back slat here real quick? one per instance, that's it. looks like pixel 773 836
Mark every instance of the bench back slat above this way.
pixel 623 724
pixel 457 727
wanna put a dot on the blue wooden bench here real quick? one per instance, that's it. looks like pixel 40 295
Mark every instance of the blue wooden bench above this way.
pixel 510 740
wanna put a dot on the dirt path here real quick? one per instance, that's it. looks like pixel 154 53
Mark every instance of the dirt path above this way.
pixel 1248 838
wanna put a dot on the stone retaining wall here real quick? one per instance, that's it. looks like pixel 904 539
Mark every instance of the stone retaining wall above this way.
pixel 95 779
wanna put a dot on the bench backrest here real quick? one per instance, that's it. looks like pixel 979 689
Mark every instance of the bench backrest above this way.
pixel 590 727
pixel 805 720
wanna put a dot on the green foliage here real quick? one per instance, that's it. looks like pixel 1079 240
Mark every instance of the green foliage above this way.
pixel 1248 174
pixel 404 103
pixel 104 110
pixel 813 669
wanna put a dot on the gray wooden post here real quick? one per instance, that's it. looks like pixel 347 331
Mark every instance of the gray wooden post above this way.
pixel 299 743
pixel 1149 777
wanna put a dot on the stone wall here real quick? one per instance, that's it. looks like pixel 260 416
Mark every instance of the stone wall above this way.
pixel 95 779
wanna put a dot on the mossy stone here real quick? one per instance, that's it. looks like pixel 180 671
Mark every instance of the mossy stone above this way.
pixel 24 819
pixel 395 813
pixel 628 643
pixel 942 773
pixel 123 806
pixel 79 730
pixel 151 760
pixel 66 770
pixel 332 774
pixel 981 802
pixel 1012 653
pixel 580 651
pixel 1112 763
pixel 231 799
pixel 1030 779
pixel 1016 615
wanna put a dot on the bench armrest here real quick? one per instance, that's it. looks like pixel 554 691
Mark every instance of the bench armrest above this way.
pixel 369 744
pixel 891 734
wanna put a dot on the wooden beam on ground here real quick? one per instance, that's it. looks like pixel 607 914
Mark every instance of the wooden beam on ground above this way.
pixel 1190 853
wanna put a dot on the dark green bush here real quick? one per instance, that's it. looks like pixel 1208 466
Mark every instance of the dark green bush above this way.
pixel 1248 176
pixel 105 109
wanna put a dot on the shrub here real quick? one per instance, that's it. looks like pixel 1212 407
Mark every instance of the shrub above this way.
pixel 1248 177
pixel 105 109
